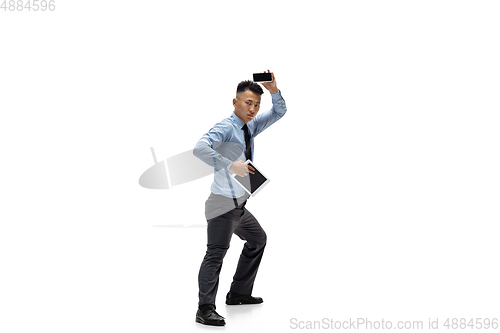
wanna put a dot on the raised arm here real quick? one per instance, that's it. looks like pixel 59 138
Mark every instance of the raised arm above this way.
pixel 278 110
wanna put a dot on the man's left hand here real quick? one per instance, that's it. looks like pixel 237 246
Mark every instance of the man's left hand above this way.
pixel 271 86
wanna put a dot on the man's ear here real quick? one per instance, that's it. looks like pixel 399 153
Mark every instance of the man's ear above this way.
pixel 235 101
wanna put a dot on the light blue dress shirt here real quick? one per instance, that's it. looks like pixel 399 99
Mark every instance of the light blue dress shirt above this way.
pixel 229 133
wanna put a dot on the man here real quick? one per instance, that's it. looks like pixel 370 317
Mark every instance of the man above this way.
pixel 226 147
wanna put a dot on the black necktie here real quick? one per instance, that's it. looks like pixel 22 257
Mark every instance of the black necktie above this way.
pixel 248 150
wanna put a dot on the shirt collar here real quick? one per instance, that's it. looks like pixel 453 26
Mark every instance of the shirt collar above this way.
pixel 240 123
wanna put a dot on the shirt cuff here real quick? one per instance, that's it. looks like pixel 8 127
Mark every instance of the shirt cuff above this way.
pixel 227 163
pixel 276 95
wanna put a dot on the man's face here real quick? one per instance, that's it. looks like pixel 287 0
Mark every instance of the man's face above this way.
pixel 246 105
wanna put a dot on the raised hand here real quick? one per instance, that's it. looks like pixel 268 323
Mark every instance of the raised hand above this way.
pixel 271 86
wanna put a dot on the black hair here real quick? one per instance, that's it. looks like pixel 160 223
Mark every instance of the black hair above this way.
pixel 249 85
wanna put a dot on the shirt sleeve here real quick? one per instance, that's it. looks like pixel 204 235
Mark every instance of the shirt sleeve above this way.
pixel 266 119
pixel 204 148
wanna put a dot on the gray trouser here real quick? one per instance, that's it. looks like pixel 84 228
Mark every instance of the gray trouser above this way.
pixel 241 222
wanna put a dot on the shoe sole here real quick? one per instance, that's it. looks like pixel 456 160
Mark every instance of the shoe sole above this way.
pixel 201 321
pixel 241 302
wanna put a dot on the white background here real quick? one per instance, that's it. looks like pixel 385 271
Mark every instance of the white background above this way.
pixel 384 198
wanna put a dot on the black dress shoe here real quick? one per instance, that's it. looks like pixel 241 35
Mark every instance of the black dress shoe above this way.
pixel 209 317
pixel 237 299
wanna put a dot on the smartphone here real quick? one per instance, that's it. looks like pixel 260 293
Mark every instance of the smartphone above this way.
pixel 262 77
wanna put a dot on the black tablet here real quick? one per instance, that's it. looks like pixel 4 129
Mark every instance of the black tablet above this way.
pixel 252 183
